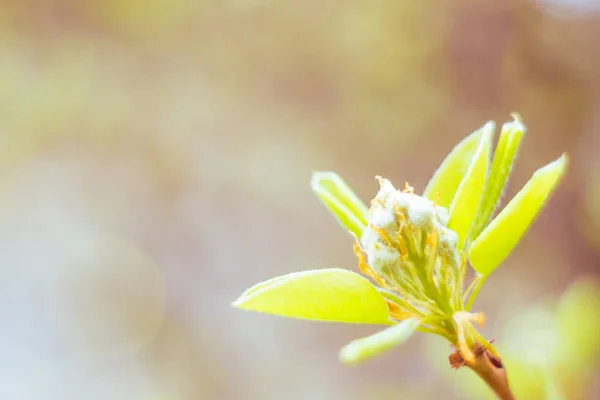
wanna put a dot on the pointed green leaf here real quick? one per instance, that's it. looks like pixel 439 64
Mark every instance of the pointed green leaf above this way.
pixel 504 157
pixel 337 196
pixel 360 350
pixel 504 232
pixel 335 295
pixel 469 193
pixel 450 174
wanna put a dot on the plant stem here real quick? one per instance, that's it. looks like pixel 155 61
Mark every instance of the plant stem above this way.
pixel 491 370
pixel 480 281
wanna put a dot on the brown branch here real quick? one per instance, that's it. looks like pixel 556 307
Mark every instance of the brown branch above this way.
pixel 489 368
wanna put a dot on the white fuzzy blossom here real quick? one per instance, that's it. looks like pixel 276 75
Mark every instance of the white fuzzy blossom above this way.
pixel 407 231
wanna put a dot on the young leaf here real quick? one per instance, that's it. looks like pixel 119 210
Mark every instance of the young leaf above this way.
pixel 335 295
pixel 506 152
pixel 360 350
pixel 504 232
pixel 468 196
pixel 343 203
pixel 450 174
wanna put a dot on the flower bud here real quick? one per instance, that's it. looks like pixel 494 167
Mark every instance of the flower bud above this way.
pixel 407 239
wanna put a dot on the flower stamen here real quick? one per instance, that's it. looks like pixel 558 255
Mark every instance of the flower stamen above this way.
pixel 396 311
pixel 382 233
pixel 366 269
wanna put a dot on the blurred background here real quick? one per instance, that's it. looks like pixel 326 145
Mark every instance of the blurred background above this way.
pixel 155 159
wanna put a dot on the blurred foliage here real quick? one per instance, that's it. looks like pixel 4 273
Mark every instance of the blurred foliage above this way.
pixel 550 350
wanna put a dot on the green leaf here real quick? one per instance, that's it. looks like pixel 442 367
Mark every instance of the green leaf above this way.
pixel 343 203
pixel 504 232
pixel 450 174
pixel 363 349
pixel 335 295
pixel 506 152
pixel 469 193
